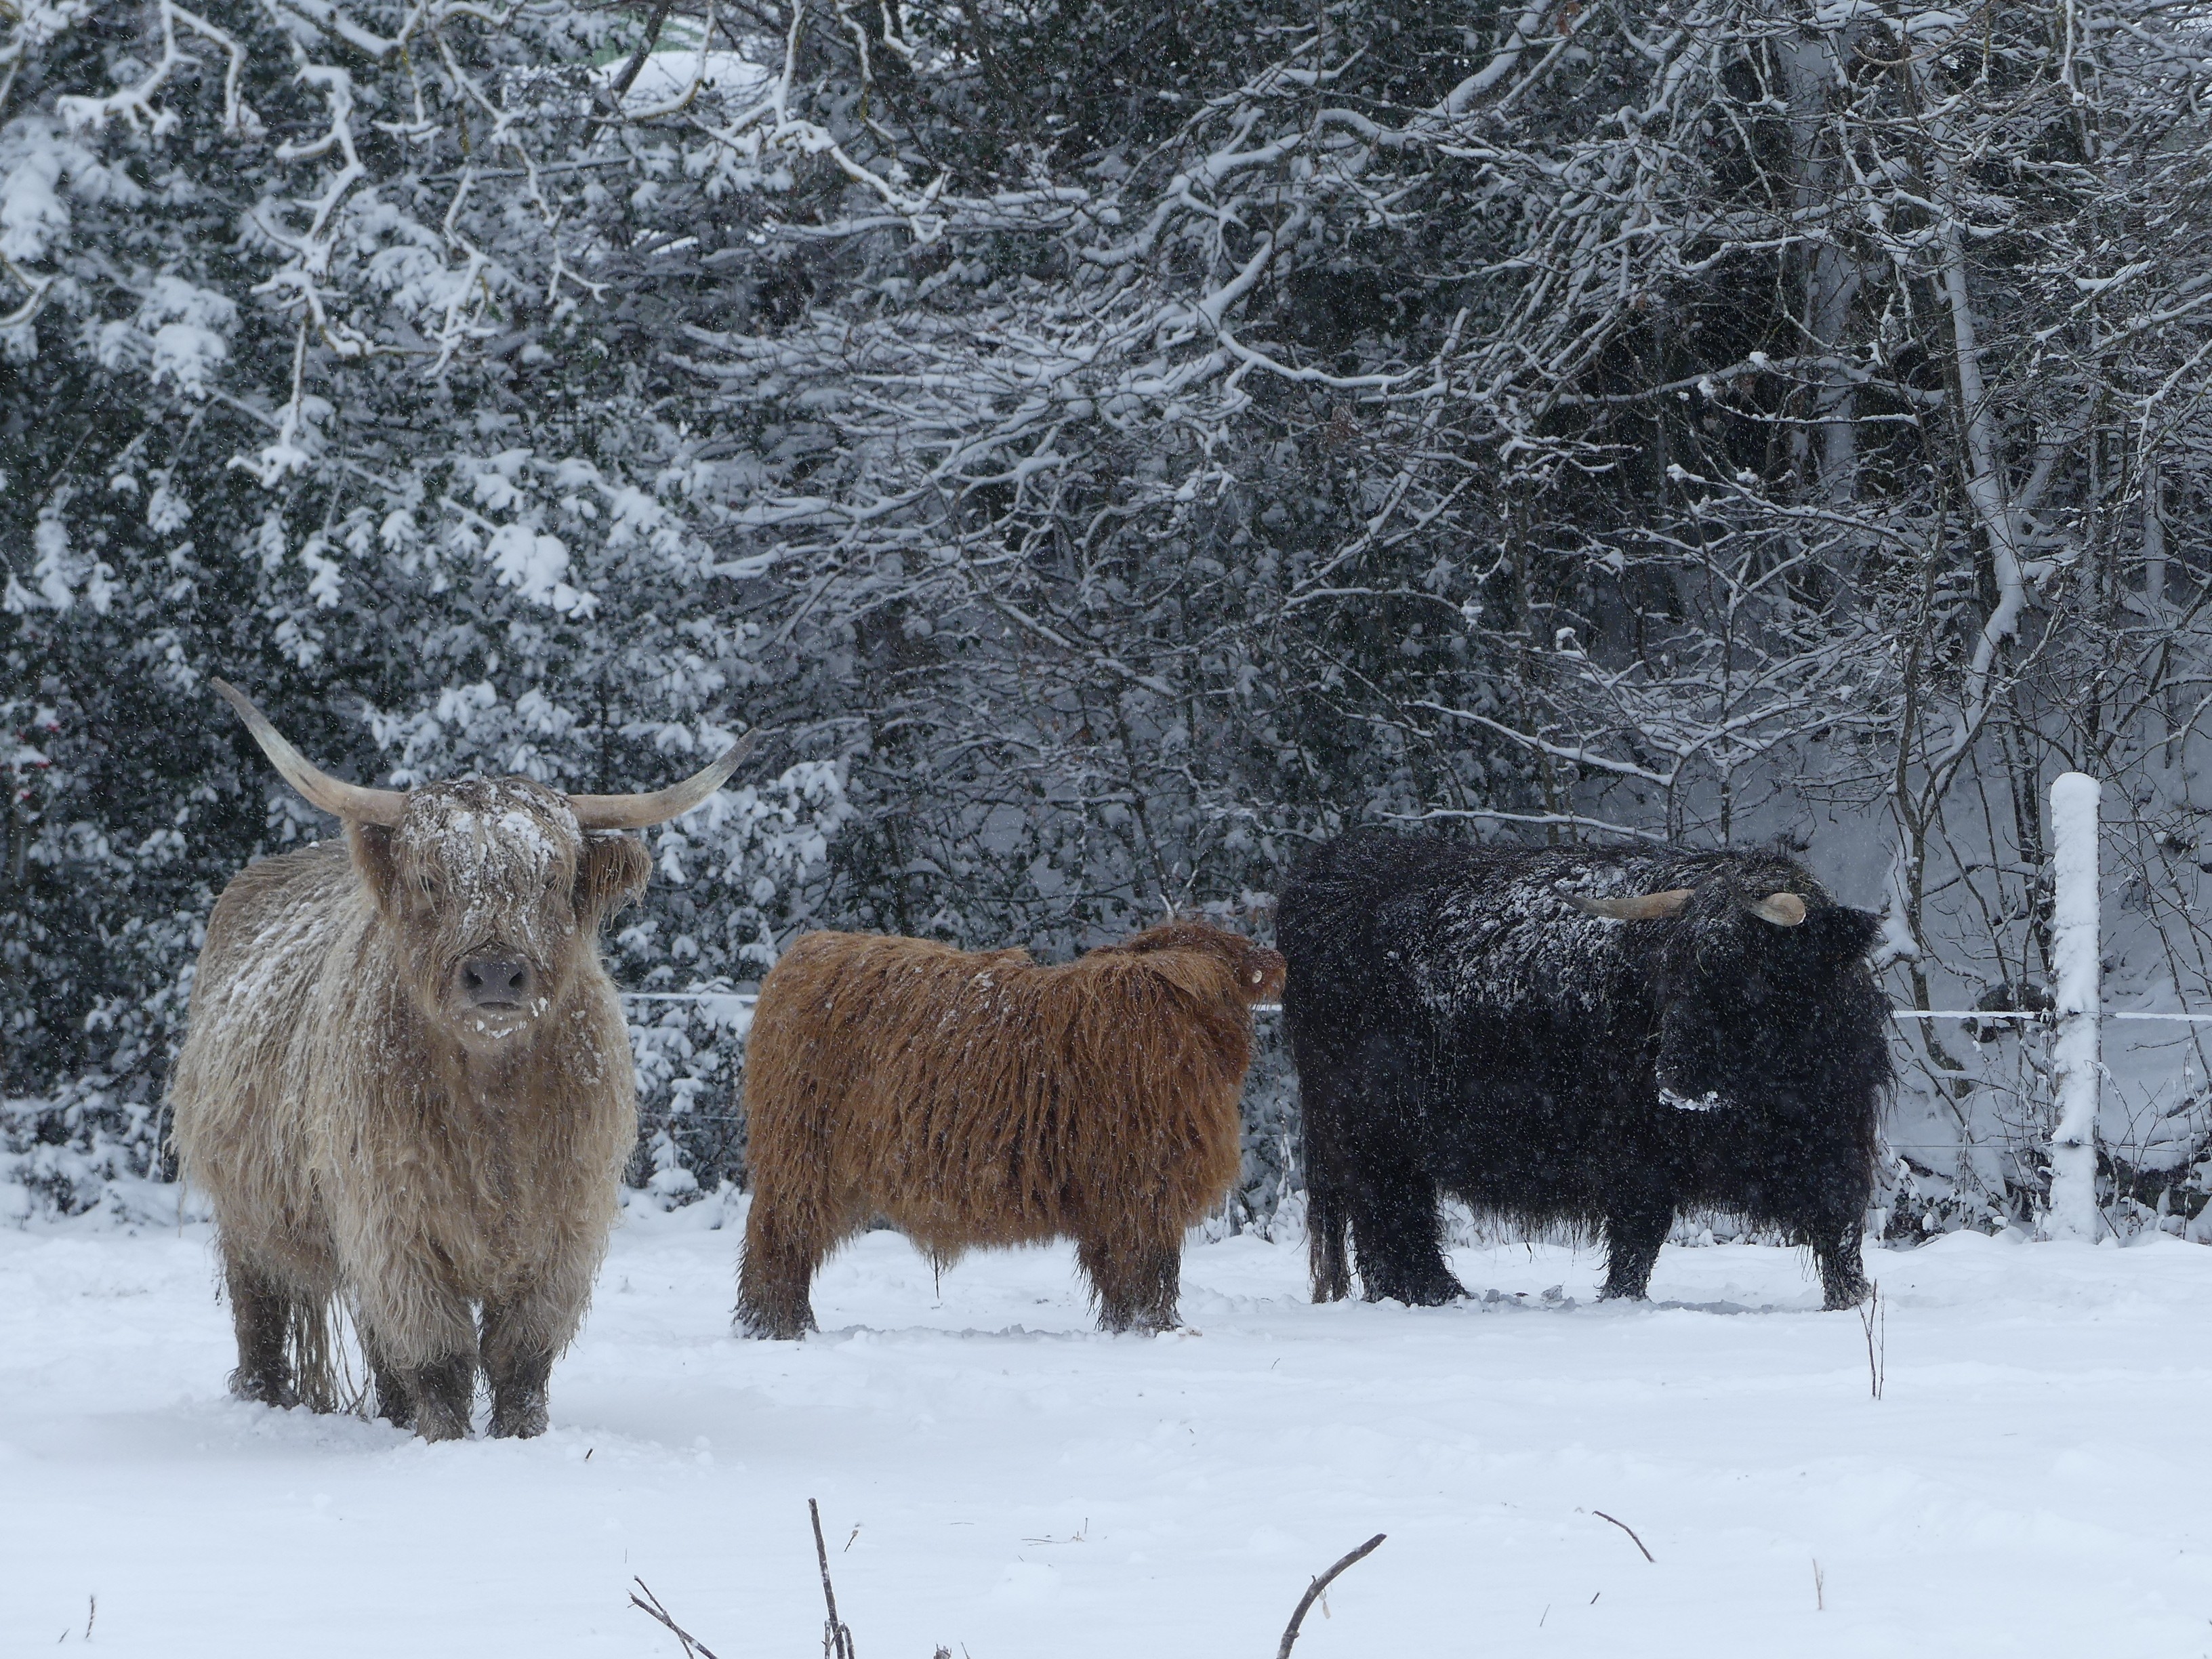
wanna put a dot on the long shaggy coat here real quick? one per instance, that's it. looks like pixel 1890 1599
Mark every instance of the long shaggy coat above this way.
pixel 451 1183
pixel 975 1099
pixel 1463 1024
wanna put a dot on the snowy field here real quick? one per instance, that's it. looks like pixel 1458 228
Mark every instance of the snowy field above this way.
pixel 998 1479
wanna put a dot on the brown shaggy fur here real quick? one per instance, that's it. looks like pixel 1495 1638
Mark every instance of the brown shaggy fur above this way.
pixel 448 1171
pixel 981 1099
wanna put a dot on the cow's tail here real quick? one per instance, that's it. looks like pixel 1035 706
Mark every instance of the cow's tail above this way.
pixel 1327 1241
pixel 1329 1219
pixel 313 1344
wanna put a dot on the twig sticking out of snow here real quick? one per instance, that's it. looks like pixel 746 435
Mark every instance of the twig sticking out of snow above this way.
pixel 1630 1531
pixel 1873 1319
pixel 650 1603
pixel 836 1639
pixel 1314 1590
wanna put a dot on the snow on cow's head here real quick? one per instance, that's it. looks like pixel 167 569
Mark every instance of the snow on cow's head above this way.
pixel 494 894
pixel 496 888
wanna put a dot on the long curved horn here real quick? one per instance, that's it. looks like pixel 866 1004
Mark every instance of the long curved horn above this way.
pixel 345 800
pixel 1783 910
pixel 636 811
pixel 1644 907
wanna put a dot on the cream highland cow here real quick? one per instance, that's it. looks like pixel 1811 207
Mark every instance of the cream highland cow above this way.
pixel 407 1086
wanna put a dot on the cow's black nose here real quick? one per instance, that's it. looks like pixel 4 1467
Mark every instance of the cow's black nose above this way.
pixel 495 982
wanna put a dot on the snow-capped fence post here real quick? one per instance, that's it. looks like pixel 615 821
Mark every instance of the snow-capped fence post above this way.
pixel 2074 953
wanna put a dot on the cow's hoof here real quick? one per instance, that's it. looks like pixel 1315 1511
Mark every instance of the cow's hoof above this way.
pixel 524 1421
pixel 771 1327
pixel 1640 1293
pixel 1850 1295
pixel 1138 1324
pixel 261 1389
pixel 1434 1294
pixel 437 1421
pixel 390 1403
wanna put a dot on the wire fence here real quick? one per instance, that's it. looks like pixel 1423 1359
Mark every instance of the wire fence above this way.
pixel 2072 1023
pixel 2037 1016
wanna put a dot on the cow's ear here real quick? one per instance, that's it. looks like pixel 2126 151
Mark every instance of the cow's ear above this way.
pixel 1845 933
pixel 614 870
pixel 376 860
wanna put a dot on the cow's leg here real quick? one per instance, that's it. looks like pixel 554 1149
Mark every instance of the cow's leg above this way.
pixel 434 1397
pixel 775 1275
pixel 1136 1280
pixel 1397 1239
pixel 444 1391
pixel 523 1330
pixel 518 1362
pixel 1329 1242
pixel 1837 1249
pixel 262 1311
pixel 423 1334
pixel 391 1400
pixel 1361 1152
pixel 1633 1233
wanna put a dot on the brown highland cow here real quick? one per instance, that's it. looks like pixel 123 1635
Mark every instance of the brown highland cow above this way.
pixel 407 1084
pixel 981 1099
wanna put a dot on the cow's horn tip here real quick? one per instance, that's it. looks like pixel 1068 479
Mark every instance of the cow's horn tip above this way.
pixel 245 707
pixel 732 758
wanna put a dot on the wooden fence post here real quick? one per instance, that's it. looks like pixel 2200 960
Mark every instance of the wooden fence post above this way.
pixel 2076 965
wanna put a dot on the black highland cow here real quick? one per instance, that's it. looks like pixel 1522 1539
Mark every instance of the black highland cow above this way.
pixel 1592 1036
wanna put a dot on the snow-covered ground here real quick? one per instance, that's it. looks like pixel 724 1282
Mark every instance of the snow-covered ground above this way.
pixel 670 74
pixel 996 1478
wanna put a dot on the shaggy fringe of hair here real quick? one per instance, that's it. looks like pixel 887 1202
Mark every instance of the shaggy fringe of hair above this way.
pixel 321 1357
pixel 981 1099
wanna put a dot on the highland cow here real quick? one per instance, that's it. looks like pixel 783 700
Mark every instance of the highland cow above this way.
pixel 979 1099
pixel 1597 1039
pixel 407 1086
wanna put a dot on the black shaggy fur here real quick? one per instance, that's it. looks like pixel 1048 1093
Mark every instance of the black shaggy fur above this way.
pixel 1459 1027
